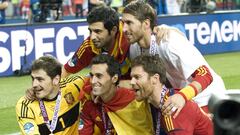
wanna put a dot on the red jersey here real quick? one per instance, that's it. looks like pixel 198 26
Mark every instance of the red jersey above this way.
pixel 190 121
pixel 87 51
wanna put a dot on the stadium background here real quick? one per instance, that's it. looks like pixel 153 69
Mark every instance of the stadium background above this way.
pixel 215 35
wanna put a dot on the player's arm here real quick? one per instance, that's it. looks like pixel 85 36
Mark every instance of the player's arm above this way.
pixel 163 31
pixel 65 73
pixel 202 78
pixel 81 59
pixel 25 117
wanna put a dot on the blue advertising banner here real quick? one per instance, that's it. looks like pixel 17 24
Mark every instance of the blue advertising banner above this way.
pixel 210 33
pixel 21 44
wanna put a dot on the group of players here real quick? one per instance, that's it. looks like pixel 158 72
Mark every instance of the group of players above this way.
pixel 170 81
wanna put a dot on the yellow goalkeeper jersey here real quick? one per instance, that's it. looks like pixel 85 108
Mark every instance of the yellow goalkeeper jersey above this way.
pixel 29 115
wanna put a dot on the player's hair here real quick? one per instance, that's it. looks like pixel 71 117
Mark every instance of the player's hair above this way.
pixel 105 14
pixel 151 64
pixel 113 65
pixel 142 11
pixel 49 64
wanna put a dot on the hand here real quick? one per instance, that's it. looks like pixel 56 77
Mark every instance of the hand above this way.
pixel 174 103
pixel 161 32
pixel 30 94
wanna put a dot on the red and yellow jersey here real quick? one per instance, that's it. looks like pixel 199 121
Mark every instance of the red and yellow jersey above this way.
pixel 29 115
pixel 190 121
pixel 126 114
pixel 87 51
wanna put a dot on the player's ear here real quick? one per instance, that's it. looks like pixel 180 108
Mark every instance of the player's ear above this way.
pixel 147 23
pixel 115 78
pixel 114 30
pixel 56 80
pixel 155 78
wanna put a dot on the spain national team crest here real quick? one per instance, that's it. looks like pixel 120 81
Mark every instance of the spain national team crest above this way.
pixel 69 98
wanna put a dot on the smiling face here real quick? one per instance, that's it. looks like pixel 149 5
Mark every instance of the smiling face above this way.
pixel 100 80
pixel 100 35
pixel 141 83
pixel 42 84
pixel 132 28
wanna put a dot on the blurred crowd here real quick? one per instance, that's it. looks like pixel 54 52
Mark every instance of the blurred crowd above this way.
pixel 25 9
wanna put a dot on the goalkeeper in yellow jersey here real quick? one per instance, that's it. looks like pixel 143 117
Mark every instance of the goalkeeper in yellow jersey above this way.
pixel 57 109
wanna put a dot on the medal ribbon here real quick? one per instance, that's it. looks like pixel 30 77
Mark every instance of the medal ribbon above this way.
pixel 107 122
pixel 53 124
pixel 163 93
pixel 153 45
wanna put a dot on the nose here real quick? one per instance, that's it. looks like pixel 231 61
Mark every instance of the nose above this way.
pixel 133 81
pixel 93 80
pixel 93 35
pixel 35 83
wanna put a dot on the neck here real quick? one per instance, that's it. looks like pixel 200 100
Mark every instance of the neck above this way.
pixel 53 94
pixel 154 99
pixel 146 39
pixel 110 44
pixel 109 95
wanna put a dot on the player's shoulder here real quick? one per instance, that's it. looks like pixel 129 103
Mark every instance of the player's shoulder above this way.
pixel 23 101
pixel 85 45
pixel 75 79
pixel 26 108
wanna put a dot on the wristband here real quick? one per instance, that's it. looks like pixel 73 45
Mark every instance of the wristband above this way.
pixel 188 92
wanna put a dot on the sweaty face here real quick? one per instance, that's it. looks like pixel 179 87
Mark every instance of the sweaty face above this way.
pixel 99 35
pixel 42 84
pixel 100 80
pixel 141 83
pixel 132 28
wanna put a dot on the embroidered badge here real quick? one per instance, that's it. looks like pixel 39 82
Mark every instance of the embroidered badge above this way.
pixel 69 98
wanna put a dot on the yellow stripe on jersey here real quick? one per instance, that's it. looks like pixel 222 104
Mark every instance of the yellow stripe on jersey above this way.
pixel 118 42
pixel 169 123
pixel 71 79
pixel 168 119
pixel 83 49
pixel 24 108
pixel 120 36
pixel 202 71
pixel 84 45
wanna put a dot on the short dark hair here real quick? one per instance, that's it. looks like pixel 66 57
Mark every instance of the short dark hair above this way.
pixel 49 64
pixel 142 11
pixel 113 67
pixel 151 64
pixel 105 14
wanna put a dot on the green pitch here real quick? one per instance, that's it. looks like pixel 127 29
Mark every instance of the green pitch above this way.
pixel 12 88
